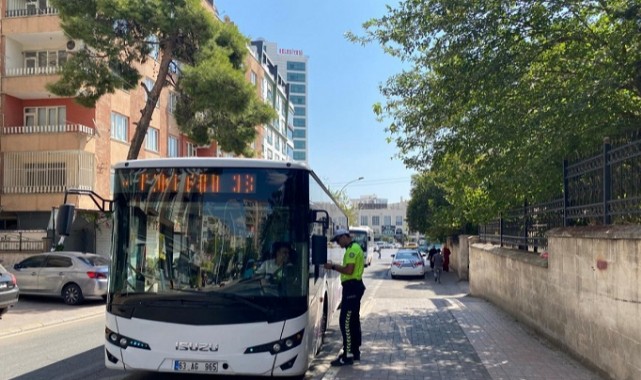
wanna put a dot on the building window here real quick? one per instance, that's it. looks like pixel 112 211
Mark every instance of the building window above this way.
pixel 297 88
pixel 295 77
pixel 299 122
pixel 45 116
pixel 44 58
pixel 296 66
pixel 387 220
pixel 149 83
pixel 253 78
pixel 297 99
pixel 154 47
pixel 399 220
pixel 300 156
pixel 172 146
pixel 119 127
pixel 172 101
pixel 299 133
pixel 151 140
pixel 376 220
pixel 363 220
pixel 191 150
pixel 45 174
pixel 299 144
pixel 299 111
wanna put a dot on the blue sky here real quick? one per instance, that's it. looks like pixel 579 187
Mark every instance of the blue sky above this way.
pixel 345 140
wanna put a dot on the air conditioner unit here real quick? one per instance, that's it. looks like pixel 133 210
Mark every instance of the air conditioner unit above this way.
pixel 73 46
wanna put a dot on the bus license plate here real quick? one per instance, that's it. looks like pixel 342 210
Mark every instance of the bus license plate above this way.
pixel 189 366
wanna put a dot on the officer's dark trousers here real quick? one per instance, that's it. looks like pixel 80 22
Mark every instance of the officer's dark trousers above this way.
pixel 350 318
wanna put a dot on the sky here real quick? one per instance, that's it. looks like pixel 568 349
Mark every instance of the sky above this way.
pixel 345 141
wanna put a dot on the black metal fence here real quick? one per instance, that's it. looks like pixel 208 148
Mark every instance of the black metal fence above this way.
pixel 600 190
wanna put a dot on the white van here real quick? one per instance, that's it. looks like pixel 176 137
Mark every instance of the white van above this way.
pixel 364 236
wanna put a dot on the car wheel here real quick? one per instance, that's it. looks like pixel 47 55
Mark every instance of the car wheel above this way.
pixel 3 310
pixel 393 277
pixel 72 294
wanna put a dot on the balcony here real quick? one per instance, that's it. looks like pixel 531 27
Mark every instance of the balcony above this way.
pixel 34 129
pixel 22 8
pixel 47 171
pixel 31 71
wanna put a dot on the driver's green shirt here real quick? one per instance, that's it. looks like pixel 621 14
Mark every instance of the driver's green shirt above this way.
pixel 354 255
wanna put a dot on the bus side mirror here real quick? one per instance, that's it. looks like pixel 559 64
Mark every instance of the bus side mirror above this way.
pixel 319 249
pixel 65 219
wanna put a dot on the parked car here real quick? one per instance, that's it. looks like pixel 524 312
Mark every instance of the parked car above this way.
pixel 73 276
pixel 407 262
pixel 9 291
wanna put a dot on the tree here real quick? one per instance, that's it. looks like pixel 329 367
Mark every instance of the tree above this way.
pixel 428 210
pixel 346 205
pixel 499 92
pixel 197 55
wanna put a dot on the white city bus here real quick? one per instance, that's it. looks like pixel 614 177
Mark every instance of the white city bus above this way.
pixel 364 236
pixel 184 293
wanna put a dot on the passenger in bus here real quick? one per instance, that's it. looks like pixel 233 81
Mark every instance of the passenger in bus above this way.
pixel 275 267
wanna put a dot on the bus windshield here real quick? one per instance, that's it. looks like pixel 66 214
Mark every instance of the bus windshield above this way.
pixel 207 238
pixel 360 237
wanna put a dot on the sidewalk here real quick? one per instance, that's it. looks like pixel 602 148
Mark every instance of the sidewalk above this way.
pixel 32 313
pixel 418 329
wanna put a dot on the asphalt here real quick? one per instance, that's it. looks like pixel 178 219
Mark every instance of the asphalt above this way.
pixel 412 329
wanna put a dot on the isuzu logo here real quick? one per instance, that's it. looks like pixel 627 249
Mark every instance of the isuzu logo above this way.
pixel 193 346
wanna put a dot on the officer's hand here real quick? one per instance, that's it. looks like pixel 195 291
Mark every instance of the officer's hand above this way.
pixel 328 265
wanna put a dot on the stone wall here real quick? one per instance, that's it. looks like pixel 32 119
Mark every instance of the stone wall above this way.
pixel 586 296
pixel 459 259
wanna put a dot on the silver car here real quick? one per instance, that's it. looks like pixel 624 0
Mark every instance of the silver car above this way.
pixel 73 276
pixel 9 291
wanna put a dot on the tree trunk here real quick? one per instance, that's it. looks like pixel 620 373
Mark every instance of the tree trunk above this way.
pixel 152 98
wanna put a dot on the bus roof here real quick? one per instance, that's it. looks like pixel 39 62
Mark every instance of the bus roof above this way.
pixel 188 162
pixel 361 228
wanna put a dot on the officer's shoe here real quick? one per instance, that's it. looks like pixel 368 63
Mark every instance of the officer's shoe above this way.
pixel 357 356
pixel 341 361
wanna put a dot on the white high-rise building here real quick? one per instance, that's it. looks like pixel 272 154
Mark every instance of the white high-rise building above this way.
pixel 293 66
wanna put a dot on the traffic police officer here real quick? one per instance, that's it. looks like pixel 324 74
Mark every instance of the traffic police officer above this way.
pixel 353 288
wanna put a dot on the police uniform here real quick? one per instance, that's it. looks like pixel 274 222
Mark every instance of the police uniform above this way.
pixel 353 290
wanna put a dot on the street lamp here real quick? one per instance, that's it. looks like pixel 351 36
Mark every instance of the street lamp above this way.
pixel 350 182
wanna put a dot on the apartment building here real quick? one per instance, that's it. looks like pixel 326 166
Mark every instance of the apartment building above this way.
pixel 50 143
pixel 292 65
pixel 278 142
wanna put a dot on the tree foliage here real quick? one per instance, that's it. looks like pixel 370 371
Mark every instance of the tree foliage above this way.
pixel 499 92
pixel 197 55
pixel 347 206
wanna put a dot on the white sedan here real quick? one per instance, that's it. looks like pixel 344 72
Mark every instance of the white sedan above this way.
pixel 407 262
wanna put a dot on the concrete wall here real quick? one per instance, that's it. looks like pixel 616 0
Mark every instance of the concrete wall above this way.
pixel 459 259
pixel 586 296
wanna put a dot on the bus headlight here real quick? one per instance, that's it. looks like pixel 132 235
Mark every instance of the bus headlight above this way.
pixel 279 345
pixel 123 341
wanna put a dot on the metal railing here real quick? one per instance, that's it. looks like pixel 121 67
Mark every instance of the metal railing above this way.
pixel 19 241
pixel 599 190
pixel 32 71
pixel 58 128
pixel 47 171
pixel 17 8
